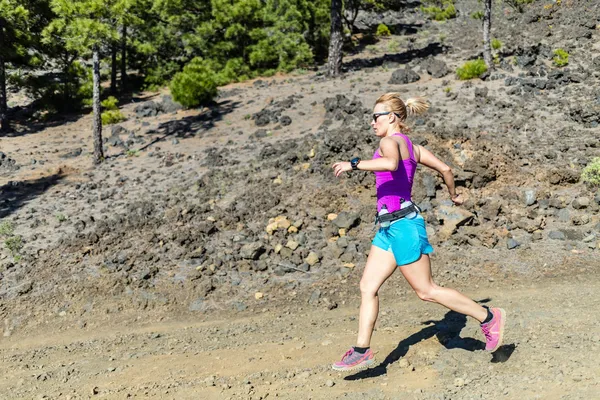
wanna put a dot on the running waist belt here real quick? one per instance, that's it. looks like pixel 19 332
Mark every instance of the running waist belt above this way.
pixel 398 214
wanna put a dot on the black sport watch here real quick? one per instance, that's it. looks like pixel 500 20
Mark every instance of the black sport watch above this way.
pixel 354 163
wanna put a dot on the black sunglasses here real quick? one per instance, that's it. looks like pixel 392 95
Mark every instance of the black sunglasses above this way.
pixel 377 115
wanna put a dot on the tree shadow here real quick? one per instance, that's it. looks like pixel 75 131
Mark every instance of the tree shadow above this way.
pixel 367 37
pixel 189 126
pixel 432 49
pixel 14 194
pixel 404 29
pixel 447 330
pixel 27 127
pixel 22 122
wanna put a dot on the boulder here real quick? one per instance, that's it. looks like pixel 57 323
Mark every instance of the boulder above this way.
pixel 346 220
pixel 251 251
pixel 452 218
pixel 168 105
pixel 147 109
pixel 436 68
pixel 403 76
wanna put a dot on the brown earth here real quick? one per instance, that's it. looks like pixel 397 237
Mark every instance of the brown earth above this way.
pixel 285 352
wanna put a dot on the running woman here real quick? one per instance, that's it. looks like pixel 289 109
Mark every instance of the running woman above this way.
pixel 401 240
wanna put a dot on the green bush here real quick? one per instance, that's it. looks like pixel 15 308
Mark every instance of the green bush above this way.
pixel 6 228
pixel 112 117
pixel 110 103
pixel 439 10
pixel 496 44
pixel 195 85
pixel 518 5
pixel 383 30
pixel 439 14
pixel 591 173
pixel 561 58
pixel 477 14
pixel 14 244
pixel 471 69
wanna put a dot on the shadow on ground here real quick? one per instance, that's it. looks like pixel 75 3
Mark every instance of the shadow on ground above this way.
pixel 23 123
pixel 447 330
pixel 431 49
pixel 189 126
pixel 14 194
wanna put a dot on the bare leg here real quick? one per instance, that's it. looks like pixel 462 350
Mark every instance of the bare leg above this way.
pixel 380 266
pixel 418 275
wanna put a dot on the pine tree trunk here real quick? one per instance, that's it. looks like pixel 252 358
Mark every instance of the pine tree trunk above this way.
pixel 3 101
pixel 113 68
pixel 97 124
pixel 487 25
pixel 124 58
pixel 336 39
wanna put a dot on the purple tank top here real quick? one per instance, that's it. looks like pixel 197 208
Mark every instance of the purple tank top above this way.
pixel 395 185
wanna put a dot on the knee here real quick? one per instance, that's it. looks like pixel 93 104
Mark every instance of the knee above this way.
pixel 367 289
pixel 428 293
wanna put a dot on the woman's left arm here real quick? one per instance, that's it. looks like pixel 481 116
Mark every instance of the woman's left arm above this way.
pixel 387 162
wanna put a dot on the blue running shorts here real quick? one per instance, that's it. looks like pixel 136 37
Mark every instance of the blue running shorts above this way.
pixel 406 238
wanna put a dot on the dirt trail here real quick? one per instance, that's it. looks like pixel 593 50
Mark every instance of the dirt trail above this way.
pixel 550 352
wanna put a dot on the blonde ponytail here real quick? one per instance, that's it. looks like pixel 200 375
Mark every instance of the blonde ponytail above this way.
pixel 416 106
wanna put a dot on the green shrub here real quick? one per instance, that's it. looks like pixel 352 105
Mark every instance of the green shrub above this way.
pixel 110 103
pixel 496 44
pixel 195 85
pixel 471 69
pixel 112 117
pixel 518 5
pixel 383 30
pixel 6 228
pixel 393 46
pixel 440 14
pixel 591 173
pixel 477 14
pixel 561 58
pixel 14 244
pixel 496 59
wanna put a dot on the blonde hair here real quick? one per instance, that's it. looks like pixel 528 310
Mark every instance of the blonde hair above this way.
pixel 412 106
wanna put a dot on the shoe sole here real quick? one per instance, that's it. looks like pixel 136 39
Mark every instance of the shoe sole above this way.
pixel 501 333
pixel 364 365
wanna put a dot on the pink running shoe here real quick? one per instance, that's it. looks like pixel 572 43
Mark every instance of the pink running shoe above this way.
pixel 494 330
pixel 353 360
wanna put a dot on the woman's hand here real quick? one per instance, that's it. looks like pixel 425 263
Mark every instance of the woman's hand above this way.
pixel 343 166
pixel 457 199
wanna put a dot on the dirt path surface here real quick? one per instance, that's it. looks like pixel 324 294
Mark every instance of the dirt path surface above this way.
pixel 422 352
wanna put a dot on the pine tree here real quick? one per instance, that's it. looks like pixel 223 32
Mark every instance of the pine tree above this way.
pixel 85 25
pixel 168 38
pixel 127 15
pixel 280 42
pixel 13 33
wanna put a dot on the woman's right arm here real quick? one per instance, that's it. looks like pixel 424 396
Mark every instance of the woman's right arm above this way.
pixel 429 160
